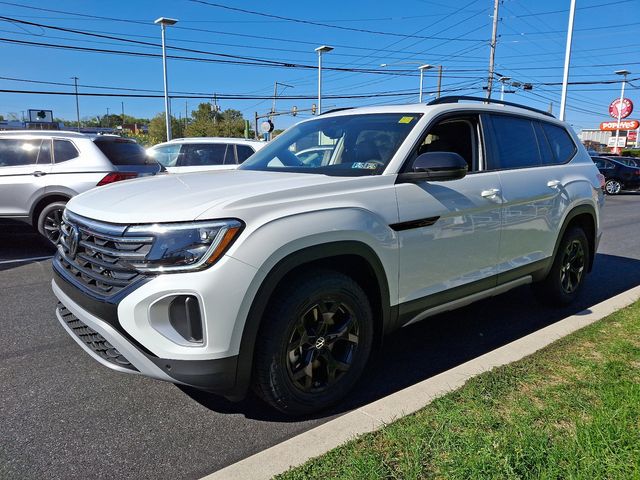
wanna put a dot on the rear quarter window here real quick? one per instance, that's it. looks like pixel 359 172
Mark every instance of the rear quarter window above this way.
pixel 122 151
pixel 560 141
pixel 64 150
pixel 244 152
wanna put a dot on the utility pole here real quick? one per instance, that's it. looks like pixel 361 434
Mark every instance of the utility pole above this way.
pixel 567 60
pixel 75 81
pixel 494 40
pixel 108 119
pixel 186 113
pixel 122 103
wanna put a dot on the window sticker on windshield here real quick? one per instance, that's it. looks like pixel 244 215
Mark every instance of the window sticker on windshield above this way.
pixel 406 120
pixel 365 165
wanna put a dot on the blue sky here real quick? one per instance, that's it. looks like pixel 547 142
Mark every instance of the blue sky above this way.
pixel 456 35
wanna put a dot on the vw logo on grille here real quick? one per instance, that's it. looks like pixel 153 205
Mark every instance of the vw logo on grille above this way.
pixel 72 241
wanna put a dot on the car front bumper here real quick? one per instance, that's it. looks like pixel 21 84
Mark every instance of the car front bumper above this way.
pixel 112 349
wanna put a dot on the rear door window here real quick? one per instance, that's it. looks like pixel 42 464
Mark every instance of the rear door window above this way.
pixel 560 142
pixel 244 152
pixel 64 150
pixel 516 143
pixel 16 152
pixel 121 151
pixel 203 154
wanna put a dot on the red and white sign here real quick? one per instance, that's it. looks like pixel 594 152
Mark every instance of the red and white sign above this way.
pixel 627 108
pixel 624 125
pixel 632 137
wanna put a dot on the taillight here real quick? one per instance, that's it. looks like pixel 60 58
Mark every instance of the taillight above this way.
pixel 602 180
pixel 116 177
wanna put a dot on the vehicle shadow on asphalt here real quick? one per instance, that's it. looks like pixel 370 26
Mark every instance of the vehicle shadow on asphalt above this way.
pixel 19 241
pixel 425 349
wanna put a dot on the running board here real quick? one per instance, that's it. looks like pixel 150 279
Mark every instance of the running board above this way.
pixel 464 301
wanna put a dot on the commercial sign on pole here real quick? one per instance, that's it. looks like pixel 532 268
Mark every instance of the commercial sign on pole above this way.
pixel 624 110
pixel 624 125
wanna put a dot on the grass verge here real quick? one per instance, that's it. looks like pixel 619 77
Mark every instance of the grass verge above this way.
pixel 571 410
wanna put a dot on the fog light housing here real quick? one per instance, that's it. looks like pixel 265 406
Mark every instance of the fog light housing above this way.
pixel 186 318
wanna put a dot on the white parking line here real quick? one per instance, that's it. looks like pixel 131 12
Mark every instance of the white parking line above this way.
pixel 22 260
pixel 368 418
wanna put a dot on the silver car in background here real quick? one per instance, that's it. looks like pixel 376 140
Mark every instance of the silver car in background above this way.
pixel 41 170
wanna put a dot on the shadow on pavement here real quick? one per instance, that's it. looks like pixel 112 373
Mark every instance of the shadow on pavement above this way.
pixel 19 241
pixel 435 345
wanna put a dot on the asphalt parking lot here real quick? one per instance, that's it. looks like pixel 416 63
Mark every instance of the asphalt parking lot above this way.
pixel 62 415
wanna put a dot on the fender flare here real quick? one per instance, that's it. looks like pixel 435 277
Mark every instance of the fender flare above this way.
pixel 275 276
pixel 578 210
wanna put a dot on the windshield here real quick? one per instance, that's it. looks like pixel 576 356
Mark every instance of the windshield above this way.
pixel 350 145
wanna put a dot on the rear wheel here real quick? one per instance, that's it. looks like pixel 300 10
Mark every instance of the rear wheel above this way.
pixel 50 220
pixel 314 343
pixel 569 268
pixel 612 187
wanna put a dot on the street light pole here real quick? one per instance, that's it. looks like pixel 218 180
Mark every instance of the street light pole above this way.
pixel 422 68
pixel 567 60
pixel 322 49
pixel 503 80
pixel 75 81
pixel 624 74
pixel 163 22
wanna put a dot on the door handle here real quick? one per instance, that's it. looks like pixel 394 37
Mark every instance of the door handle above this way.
pixel 553 183
pixel 39 173
pixel 491 193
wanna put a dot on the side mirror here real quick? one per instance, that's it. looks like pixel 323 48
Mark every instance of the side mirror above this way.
pixel 436 166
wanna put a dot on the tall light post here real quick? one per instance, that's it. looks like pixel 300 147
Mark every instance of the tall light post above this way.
pixel 624 74
pixel 567 60
pixel 75 82
pixel 164 22
pixel 422 68
pixel 321 50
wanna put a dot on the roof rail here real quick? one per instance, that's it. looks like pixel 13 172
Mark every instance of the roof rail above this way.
pixel 458 99
pixel 336 110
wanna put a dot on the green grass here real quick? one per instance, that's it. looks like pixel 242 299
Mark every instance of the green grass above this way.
pixel 570 411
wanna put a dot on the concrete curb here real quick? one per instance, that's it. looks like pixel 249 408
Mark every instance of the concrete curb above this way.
pixel 297 450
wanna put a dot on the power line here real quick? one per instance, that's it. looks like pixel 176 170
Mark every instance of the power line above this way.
pixel 326 25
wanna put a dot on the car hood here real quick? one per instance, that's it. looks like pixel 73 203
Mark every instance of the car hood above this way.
pixel 186 197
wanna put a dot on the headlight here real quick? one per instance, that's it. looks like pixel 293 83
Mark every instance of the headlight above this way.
pixel 181 247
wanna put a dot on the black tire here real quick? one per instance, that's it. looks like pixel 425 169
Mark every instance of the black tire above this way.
pixel 566 277
pixel 303 363
pixel 49 221
pixel 612 187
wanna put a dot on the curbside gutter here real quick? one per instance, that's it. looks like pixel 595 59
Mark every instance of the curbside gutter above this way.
pixel 319 440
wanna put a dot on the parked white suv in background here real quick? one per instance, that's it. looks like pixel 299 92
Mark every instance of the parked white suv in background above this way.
pixel 284 276
pixel 183 155
pixel 41 170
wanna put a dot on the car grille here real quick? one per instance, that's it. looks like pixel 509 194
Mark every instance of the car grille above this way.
pixel 96 342
pixel 97 254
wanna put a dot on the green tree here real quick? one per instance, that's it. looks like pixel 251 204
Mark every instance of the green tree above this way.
pixel 158 131
pixel 208 123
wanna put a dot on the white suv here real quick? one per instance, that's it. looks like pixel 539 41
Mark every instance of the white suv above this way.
pixel 284 275
pixel 184 155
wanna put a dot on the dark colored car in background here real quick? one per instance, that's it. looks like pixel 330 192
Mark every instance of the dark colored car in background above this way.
pixel 620 173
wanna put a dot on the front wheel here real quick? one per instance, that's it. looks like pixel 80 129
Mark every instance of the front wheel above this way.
pixel 314 343
pixel 50 221
pixel 612 187
pixel 569 268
